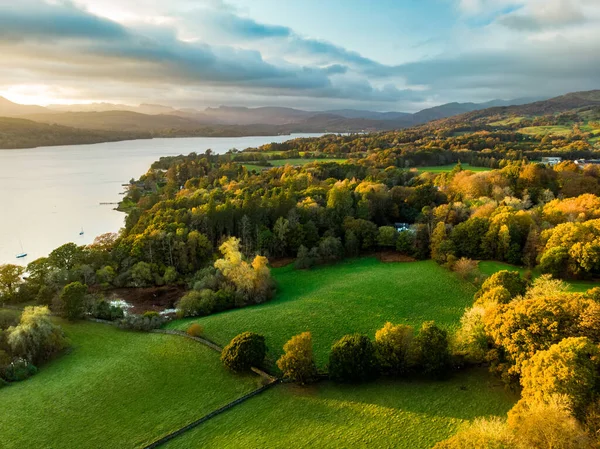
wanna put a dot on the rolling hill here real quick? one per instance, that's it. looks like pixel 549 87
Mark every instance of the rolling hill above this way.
pixel 21 133
pixel 166 121
pixel 10 109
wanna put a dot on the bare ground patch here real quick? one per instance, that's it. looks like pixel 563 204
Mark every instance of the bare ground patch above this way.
pixel 393 256
pixel 148 299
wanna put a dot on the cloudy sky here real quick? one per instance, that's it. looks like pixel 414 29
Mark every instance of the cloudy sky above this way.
pixel 398 55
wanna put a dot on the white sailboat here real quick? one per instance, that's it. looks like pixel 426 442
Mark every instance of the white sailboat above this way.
pixel 22 254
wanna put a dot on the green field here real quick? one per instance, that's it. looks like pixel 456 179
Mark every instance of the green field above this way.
pixel 264 153
pixel 294 162
pixel 353 296
pixel 116 389
pixel 543 130
pixel 489 267
pixel 399 414
pixel 447 168
pixel 508 121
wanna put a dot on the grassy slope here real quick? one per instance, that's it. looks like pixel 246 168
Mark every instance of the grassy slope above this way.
pixel 353 296
pixel 116 389
pixel 508 121
pixel 447 168
pixel 293 162
pixel 489 267
pixel 554 129
pixel 409 415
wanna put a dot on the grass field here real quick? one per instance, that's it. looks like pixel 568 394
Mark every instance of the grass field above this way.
pixel 385 414
pixel 447 168
pixel 508 121
pixel 353 296
pixel 116 389
pixel 489 267
pixel 543 130
pixel 294 162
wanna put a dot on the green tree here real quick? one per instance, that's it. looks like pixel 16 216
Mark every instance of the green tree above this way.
pixel 351 244
pixel 196 303
pixel 432 350
pixel 72 300
pixel 141 274
pixel 66 256
pixel 439 244
pixel 303 259
pixel 405 243
pixel 387 236
pixel 170 276
pixel 352 359
pixel 106 275
pixel 245 351
pixel 10 279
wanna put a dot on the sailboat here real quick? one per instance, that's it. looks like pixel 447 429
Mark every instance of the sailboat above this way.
pixel 81 232
pixel 22 254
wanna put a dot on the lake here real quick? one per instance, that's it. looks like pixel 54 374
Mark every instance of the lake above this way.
pixel 49 194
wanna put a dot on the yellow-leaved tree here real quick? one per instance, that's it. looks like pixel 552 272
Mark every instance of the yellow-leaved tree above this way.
pixel 251 280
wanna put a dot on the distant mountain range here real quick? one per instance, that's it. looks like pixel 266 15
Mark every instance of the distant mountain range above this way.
pixel 24 126
pixel 563 103
pixel 158 118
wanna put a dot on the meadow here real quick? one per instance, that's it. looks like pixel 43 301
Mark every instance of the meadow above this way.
pixel 544 130
pixel 357 295
pixel 116 388
pixel 489 267
pixel 508 121
pixel 293 162
pixel 385 413
pixel 448 168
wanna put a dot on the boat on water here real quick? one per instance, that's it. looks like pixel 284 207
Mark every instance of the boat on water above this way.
pixel 22 254
pixel 81 232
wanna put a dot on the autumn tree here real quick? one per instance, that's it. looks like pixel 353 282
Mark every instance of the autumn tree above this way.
pixel 543 317
pixel 547 424
pixel 393 345
pixel 568 368
pixel 510 280
pixel 36 337
pixel 297 363
pixel 253 281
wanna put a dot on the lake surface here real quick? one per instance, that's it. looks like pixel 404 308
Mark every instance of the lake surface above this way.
pixel 48 195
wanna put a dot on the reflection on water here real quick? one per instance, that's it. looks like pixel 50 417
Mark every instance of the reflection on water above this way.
pixel 47 195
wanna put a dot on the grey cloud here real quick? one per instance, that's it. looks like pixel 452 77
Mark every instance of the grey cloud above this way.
pixel 224 21
pixel 542 70
pixel 35 20
pixel 227 22
pixel 153 54
pixel 549 15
